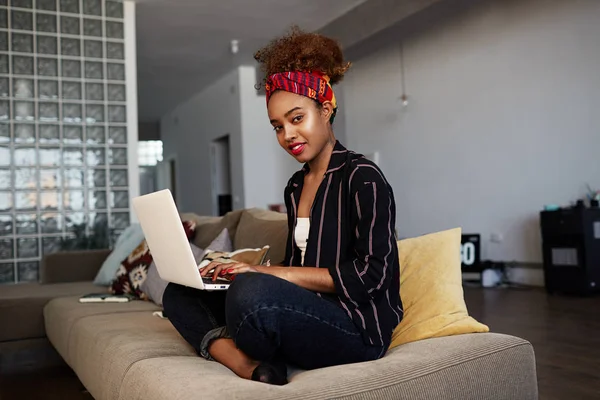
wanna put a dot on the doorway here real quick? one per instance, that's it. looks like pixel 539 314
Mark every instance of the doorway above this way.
pixel 173 179
pixel 166 176
pixel 220 168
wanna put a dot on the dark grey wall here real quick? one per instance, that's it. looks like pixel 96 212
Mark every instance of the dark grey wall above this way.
pixel 149 130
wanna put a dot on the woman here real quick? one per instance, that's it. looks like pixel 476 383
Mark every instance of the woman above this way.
pixel 335 299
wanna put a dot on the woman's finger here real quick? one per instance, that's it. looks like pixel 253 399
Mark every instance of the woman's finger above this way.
pixel 231 268
pixel 206 269
pixel 219 269
pixel 240 268
pixel 236 265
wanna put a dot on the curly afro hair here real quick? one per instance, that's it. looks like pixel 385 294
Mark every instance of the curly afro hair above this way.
pixel 302 51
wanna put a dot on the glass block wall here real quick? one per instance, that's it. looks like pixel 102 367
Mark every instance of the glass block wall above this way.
pixel 63 132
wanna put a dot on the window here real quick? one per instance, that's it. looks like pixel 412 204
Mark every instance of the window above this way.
pixel 150 152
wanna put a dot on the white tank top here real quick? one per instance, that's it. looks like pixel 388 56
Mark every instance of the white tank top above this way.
pixel 301 235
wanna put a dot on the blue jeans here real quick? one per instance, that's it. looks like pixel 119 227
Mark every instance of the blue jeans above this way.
pixel 270 318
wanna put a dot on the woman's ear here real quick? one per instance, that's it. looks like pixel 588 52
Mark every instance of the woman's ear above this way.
pixel 327 110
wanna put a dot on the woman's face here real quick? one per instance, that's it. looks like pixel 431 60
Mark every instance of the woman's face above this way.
pixel 302 128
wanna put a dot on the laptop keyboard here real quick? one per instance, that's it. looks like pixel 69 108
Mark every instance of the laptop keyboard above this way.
pixel 209 281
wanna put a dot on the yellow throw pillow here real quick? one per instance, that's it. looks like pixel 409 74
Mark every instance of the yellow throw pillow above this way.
pixel 431 289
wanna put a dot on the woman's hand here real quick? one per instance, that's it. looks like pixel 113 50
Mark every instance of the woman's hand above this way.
pixel 217 269
pixel 315 279
pixel 232 269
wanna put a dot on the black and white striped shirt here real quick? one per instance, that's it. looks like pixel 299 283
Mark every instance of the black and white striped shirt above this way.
pixel 352 234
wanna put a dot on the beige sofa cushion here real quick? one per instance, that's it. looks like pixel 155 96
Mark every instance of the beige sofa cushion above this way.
pixel 490 366
pixel 258 228
pixel 72 266
pixel 22 305
pixel 62 314
pixel 102 348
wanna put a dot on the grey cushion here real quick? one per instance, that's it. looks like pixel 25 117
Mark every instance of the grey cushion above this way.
pixel 221 243
pixel 475 366
pixel 128 241
pixel 154 286
pixel 22 305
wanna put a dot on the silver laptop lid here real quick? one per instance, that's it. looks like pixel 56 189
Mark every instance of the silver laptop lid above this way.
pixel 166 238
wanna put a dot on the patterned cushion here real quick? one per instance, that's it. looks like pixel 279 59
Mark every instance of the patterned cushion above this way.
pixel 133 270
pixel 248 256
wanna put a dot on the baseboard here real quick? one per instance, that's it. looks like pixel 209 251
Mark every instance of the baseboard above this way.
pixel 525 275
pixel 525 265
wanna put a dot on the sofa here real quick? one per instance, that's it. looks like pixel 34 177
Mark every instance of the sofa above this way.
pixel 124 351
pixel 23 342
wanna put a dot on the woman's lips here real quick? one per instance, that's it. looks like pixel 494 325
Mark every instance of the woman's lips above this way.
pixel 297 149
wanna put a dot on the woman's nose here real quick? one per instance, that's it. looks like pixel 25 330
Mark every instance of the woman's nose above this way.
pixel 290 134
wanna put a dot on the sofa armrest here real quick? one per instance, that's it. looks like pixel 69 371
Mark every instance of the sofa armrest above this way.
pixel 72 266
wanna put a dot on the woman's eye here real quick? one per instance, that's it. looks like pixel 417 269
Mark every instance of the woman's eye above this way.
pixel 297 118
pixel 277 128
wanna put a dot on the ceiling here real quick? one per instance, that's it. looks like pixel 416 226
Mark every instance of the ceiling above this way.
pixel 183 45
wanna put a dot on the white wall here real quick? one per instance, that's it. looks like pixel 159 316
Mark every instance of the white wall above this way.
pixel 133 173
pixel 267 167
pixel 187 132
pixel 503 118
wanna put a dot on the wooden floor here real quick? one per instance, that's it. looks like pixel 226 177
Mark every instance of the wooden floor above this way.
pixel 565 333
pixel 59 383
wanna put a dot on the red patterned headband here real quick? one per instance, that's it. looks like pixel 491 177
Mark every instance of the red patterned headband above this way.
pixel 313 85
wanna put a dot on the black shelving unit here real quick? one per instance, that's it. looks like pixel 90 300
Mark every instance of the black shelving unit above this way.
pixel 571 250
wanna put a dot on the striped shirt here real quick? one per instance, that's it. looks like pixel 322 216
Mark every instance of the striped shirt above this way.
pixel 352 235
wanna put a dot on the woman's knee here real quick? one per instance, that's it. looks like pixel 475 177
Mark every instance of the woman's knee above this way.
pixel 250 289
pixel 250 292
pixel 249 311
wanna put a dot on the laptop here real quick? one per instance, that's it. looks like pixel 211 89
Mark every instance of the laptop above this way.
pixel 168 243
